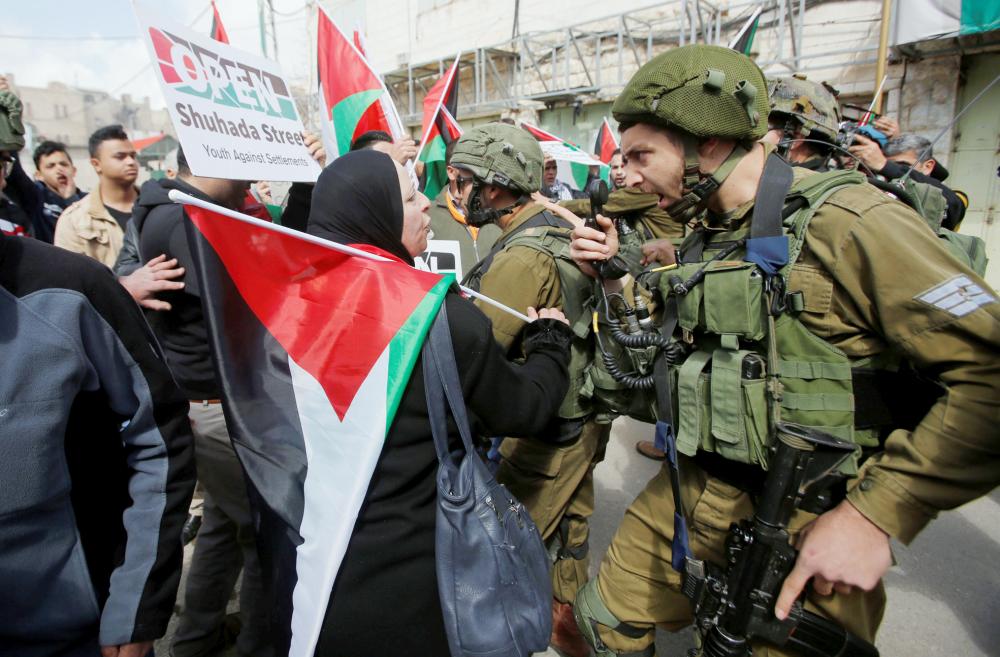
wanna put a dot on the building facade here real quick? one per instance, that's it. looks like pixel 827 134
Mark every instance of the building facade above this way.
pixel 71 114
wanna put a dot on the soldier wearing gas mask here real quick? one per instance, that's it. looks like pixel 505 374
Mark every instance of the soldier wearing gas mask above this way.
pixel 500 167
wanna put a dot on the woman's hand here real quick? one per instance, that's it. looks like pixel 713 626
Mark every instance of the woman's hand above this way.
pixel 547 313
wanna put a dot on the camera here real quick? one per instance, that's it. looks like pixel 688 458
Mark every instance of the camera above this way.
pixel 849 129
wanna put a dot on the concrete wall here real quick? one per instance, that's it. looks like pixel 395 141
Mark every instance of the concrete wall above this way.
pixel 928 100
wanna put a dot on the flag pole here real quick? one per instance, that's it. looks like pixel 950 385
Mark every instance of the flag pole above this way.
pixel 746 26
pixel 451 76
pixel 876 102
pixel 178 196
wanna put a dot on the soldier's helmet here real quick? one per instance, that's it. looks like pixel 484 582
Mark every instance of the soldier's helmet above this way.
pixel 813 105
pixel 501 154
pixel 706 91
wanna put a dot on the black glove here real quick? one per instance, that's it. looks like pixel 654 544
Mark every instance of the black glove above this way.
pixel 546 333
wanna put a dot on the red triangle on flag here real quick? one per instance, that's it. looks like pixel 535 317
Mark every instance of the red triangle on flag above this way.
pixel 333 313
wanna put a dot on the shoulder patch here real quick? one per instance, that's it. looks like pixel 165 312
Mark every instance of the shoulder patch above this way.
pixel 958 296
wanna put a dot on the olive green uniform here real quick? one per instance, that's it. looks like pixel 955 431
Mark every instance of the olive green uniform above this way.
pixel 873 280
pixel 554 482
pixel 473 243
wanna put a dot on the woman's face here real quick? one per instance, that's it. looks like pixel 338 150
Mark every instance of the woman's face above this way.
pixel 416 221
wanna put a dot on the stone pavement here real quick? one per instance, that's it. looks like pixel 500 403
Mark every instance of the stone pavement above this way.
pixel 944 592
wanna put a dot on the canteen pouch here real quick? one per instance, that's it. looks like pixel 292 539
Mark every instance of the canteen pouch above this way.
pixel 492 568
pixel 729 301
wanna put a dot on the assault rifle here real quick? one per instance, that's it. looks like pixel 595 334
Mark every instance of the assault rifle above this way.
pixel 735 604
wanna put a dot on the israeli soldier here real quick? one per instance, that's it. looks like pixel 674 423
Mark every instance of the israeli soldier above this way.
pixel 448 223
pixel 862 293
pixel 499 167
pixel 803 121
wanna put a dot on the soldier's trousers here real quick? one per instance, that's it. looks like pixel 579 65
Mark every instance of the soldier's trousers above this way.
pixel 556 485
pixel 639 587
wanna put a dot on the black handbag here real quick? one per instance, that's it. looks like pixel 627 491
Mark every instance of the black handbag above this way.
pixel 492 568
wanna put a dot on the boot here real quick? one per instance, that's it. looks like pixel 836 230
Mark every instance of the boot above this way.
pixel 649 450
pixel 566 637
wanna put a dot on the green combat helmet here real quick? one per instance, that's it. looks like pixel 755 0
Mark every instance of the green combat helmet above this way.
pixel 701 91
pixel 498 154
pixel 813 106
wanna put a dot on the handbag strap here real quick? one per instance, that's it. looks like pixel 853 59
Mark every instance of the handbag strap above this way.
pixel 443 389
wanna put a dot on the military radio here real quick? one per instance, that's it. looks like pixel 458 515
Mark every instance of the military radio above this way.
pixel 849 130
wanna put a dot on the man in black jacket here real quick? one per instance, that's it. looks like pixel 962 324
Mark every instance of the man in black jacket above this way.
pixel 226 541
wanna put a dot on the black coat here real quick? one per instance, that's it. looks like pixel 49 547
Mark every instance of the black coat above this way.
pixel 385 599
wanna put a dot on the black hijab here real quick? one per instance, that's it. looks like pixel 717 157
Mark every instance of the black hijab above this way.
pixel 357 200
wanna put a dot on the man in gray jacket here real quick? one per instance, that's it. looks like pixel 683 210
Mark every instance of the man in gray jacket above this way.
pixel 96 462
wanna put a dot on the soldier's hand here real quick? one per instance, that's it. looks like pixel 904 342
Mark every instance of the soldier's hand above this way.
pixel 314 145
pixel 839 550
pixel 547 313
pixel 869 152
pixel 590 245
pixel 887 126
pixel 661 251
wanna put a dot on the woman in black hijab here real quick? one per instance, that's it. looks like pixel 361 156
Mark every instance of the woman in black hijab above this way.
pixel 385 599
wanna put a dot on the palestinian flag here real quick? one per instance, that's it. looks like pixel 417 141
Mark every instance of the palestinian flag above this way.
pixel 574 163
pixel 743 41
pixel 218 31
pixel 359 42
pixel 354 97
pixel 314 343
pixel 439 129
pixel 920 20
pixel 606 144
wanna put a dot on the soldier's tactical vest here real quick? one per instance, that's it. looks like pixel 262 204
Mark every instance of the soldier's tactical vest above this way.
pixel 932 206
pixel 725 395
pixel 550 235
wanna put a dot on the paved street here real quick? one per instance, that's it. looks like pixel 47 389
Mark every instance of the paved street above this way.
pixel 944 594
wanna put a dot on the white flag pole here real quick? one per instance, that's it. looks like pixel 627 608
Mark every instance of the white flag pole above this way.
pixel 186 199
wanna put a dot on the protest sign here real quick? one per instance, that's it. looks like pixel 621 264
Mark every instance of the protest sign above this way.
pixel 442 257
pixel 233 111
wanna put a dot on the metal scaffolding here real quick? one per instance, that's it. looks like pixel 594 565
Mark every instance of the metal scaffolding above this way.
pixel 592 60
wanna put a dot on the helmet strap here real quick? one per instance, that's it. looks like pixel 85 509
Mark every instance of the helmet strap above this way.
pixel 787 137
pixel 478 216
pixel 699 187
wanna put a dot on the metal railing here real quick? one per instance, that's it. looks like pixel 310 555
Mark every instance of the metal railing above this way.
pixel 592 60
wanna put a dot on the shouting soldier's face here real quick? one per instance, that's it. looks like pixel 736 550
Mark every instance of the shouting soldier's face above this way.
pixel 654 161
